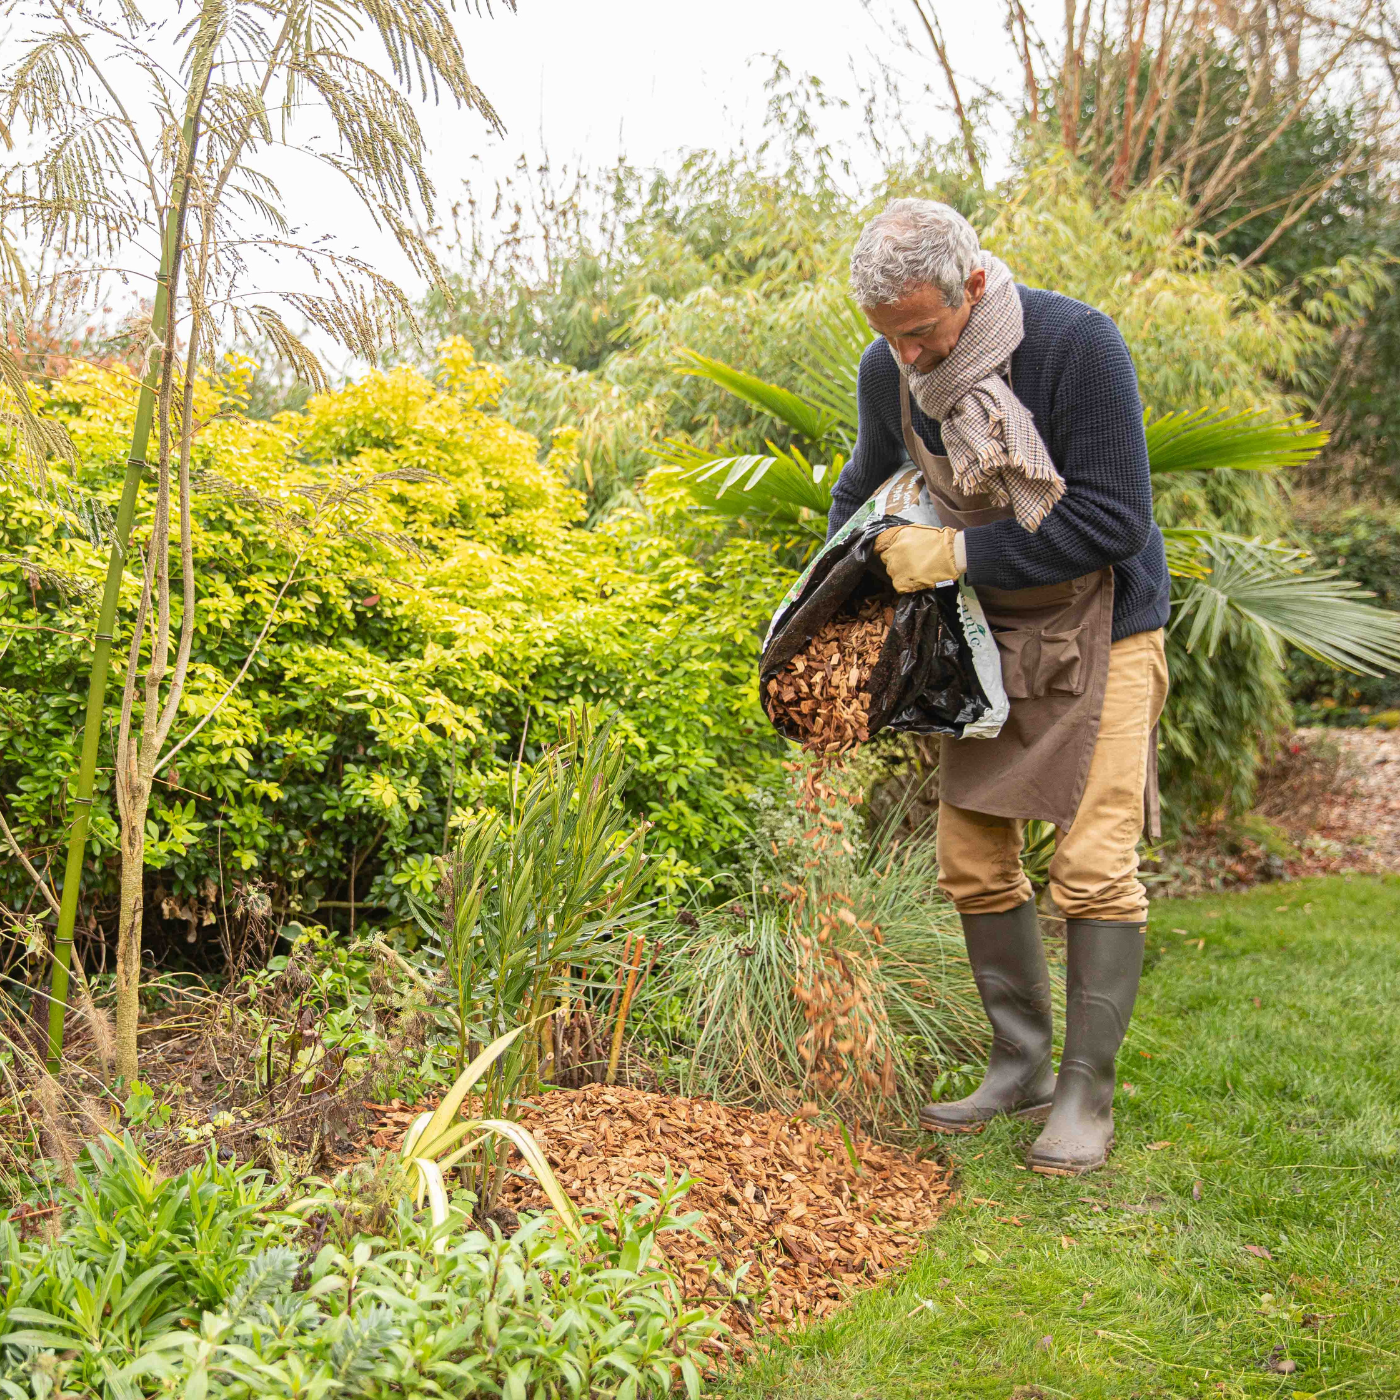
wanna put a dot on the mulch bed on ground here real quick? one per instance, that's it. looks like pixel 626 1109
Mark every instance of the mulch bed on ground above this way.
pixel 776 1192
pixel 1365 814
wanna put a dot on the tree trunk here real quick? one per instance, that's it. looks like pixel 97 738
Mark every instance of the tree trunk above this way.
pixel 172 234
pixel 133 844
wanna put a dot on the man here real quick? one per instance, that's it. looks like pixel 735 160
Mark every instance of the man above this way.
pixel 1021 408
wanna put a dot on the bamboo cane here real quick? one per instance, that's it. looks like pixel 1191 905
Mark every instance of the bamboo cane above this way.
pixel 616 1051
pixel 121 538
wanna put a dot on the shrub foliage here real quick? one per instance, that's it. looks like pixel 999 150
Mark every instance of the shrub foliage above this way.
pixel 432 638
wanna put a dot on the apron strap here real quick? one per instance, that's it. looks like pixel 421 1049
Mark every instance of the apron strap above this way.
pixel 1151 794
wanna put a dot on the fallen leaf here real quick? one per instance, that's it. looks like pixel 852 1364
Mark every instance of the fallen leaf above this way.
pixel 1067 1243
pixel 1282 909
pixel 1129 1089
pixel 1259 1251
pixel 1197 1189
pixel 1257 1002
pixel 1146 1054
pixel 1158 1146
pixel 1181 930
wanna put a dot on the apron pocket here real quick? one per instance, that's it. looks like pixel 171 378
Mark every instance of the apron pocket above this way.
pixel 1035 663
pixel 1018 648
pixel 1061 671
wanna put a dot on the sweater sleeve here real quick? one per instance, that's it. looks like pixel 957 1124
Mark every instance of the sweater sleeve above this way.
pixel 1096 438
pixel 878 450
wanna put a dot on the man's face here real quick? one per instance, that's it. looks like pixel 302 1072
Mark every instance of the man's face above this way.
pixel 920 327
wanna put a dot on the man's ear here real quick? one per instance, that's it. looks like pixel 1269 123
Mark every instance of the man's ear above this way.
pixel 976 285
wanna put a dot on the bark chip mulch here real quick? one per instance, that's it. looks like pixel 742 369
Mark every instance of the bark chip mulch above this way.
pixel 822 694
pixel 775 1192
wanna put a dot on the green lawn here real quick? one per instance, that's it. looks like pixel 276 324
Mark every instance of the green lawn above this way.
pixel 1264 1115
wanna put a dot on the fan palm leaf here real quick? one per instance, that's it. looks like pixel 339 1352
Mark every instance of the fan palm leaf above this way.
pixel 1274 589
pixel 837 338
pixel 783 488
pixel 1207 440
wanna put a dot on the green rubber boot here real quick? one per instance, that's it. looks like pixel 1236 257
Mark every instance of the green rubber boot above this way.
pixel 1105 963
pixel 1008 961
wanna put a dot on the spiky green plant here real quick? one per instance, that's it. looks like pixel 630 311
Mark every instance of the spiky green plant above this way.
pixel 527 896
pixel 187 166
pixel 433 1144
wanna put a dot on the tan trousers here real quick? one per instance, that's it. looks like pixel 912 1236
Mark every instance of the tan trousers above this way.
pixel 1093 874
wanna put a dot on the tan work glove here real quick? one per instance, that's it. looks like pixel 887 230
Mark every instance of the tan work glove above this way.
pixel 920 556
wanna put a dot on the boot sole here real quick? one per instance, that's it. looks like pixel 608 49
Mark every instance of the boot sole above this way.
pixel 1079 1169
pixel 1037 1113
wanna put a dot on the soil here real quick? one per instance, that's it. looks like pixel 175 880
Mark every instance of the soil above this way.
pixel 1328 804
pixel 1364 814
pixel 778 1193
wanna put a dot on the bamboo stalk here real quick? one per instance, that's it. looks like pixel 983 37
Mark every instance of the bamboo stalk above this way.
pixel 617 977
pixel 126 514
pixel 615 1053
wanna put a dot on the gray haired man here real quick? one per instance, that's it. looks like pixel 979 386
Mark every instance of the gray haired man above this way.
pixel 1021 408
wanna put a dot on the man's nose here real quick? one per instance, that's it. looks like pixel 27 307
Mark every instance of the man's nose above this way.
pixel 909 351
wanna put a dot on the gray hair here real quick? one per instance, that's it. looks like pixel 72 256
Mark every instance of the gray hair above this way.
pixel 911 243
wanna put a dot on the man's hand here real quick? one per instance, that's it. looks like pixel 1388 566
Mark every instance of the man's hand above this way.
pixel 919 556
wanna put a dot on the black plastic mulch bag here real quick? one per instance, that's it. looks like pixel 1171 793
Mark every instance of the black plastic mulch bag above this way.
pixel 939 671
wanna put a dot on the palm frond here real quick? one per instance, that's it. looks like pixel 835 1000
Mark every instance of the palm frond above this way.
pixel 782 488
pixel 812 421
pixel 836 339
pixel 1274 589
pixel 1185 557
pixel 1208 440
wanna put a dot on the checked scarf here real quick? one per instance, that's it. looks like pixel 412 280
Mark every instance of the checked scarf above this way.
pixel 989 434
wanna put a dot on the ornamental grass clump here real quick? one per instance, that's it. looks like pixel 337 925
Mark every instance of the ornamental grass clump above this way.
pixel 841 980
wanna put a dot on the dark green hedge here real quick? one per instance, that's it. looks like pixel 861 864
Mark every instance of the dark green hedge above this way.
pixel 1364 542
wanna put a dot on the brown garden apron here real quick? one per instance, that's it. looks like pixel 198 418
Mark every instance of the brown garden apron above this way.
pixel 1054 643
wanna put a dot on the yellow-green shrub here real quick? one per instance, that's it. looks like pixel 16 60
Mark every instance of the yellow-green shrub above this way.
pixel 387 674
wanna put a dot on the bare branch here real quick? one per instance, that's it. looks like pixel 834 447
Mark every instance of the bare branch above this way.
pixel 940 48
pixel 41 884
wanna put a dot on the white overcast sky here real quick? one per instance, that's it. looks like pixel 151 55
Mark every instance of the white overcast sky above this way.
pixel 587 82
pixel 650 79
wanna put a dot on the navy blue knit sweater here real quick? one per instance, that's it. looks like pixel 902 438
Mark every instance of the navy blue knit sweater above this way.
pixel 1074 373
